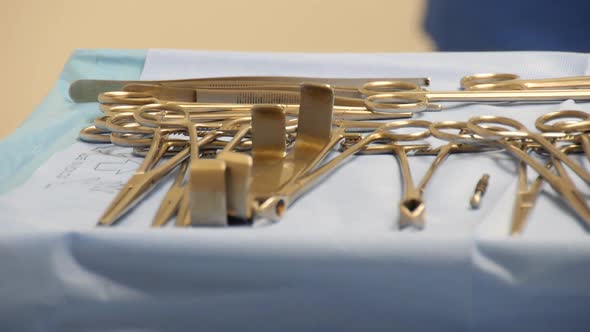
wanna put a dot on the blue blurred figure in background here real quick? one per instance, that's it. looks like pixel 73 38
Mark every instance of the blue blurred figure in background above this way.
pixel 507 25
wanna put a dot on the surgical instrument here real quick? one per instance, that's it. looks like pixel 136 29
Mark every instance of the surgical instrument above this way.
pixel 147 175
pixel 273 207
pixel 558 181
pixel 502 81
pixel 171 201
pixel 236 100
pixel 144 179
pixel 480 190
pixel 87 90
pixel 580 127
pixel 412 205
pixel 521 132
pixel 419 101
pixel 526 194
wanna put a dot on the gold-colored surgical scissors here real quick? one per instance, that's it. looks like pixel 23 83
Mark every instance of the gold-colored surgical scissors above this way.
pixel 560 183
pixel 503 81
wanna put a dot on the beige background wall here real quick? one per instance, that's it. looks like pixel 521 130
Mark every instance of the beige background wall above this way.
pixel 38 36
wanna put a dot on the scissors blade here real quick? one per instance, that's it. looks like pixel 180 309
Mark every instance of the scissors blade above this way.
pixel 172 199
pixel 169 206
pixel 523 204
pixel 569 191
pixel 183 217
pixel 139 185
pixel 134 189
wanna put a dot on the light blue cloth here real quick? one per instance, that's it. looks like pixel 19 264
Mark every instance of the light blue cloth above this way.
pixel 56 122
pixel 334 264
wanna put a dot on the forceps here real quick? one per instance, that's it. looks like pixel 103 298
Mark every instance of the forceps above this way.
pixel 148 175
pixel 210 179
pixel 526 195
pixel 246 97
pixel 124 133
pixel 119 129
pixel 112 101
pixel 559 182
pixel 143 180
pixel 412 208
pixel 176 201
pixel 272 207
pixel 122 129
pixel 419 101
pixel 412 205
pixel 87 90
pixel 521 132
pixel 578 127
pixel 502 81
pixel 245 92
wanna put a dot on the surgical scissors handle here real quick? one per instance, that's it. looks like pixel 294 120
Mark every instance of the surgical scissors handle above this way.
pixel 504 81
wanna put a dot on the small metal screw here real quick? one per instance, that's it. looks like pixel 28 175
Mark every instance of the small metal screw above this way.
pixel 480 190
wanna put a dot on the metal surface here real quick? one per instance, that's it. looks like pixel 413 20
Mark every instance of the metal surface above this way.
pixel 238 180
pixel 268 150
pixel 207 192
pixel 273 170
